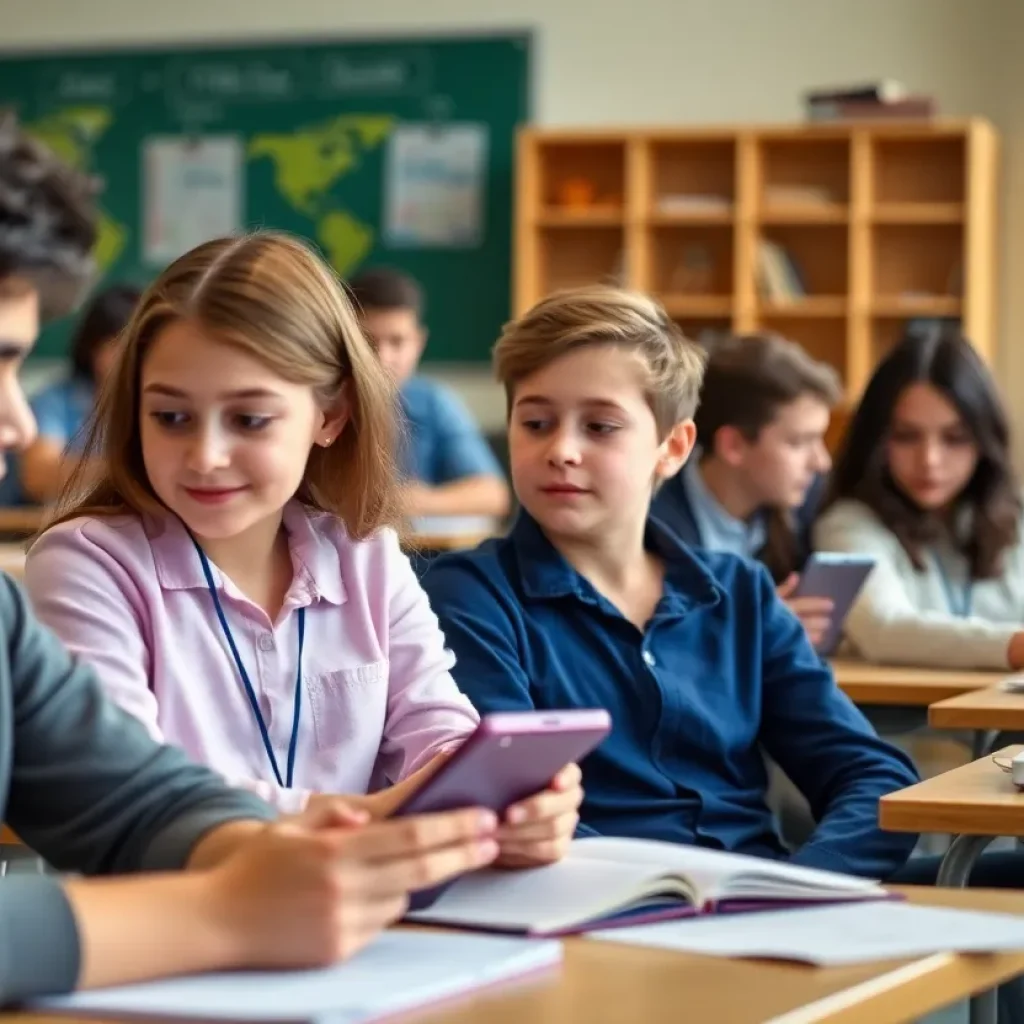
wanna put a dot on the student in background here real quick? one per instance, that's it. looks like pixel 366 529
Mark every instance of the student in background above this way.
pixel 924 483
pixel 233 576
pixel 85 786
pixel 62 409
pixel 754 486
pixel 591 602
pixel 449 468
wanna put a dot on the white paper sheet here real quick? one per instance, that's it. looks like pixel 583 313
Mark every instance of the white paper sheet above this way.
pixel 193 191
pixel 435 186
pixel 832 935
pixel 401 970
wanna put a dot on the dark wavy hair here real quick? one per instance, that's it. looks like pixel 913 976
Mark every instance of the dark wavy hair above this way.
pixel 47 219
pixel 105 317
pixel 946 360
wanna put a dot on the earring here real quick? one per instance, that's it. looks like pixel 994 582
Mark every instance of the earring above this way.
pixel 328 440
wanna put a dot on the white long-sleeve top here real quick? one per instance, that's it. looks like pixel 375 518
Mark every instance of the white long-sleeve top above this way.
pixel 914 617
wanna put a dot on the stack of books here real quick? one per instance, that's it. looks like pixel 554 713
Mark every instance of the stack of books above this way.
pixel 886 100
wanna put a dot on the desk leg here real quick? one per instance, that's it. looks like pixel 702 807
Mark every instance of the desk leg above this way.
pixel 954 873
pixel 984 742
pixel 959 859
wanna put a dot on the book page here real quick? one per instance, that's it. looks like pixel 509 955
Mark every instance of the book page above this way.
pixel 717 875
pixel 546 899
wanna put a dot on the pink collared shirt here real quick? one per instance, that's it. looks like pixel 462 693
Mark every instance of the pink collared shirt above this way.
pixel 378 702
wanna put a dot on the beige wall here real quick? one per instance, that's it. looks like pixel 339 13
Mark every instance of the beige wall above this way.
pixel 648 61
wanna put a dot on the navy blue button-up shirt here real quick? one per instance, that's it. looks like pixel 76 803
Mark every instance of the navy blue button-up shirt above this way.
pixel 722 672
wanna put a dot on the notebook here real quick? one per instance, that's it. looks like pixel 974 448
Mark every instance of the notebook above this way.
pixel 606 881
pixel 400 971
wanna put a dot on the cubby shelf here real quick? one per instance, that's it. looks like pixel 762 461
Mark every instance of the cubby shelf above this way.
pixel 834 235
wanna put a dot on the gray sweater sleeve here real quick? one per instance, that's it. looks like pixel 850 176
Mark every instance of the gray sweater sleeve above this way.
pixel 87 788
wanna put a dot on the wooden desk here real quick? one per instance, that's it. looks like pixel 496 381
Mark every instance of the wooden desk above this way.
pixel 12 560
pixel 990 709
pixel 605 983
pixel 451 533
pixel 446 541
pixel 976 803
pixel 978 799
pixel 24 520
pixel 865 683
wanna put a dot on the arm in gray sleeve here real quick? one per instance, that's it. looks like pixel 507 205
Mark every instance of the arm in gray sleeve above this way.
pixel 89 790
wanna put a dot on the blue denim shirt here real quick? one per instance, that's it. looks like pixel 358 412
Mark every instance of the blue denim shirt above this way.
pixel 443 442
pixel 722 673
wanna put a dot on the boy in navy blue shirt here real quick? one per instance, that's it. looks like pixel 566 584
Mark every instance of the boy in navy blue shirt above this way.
pixel 450 469
pixel 591 602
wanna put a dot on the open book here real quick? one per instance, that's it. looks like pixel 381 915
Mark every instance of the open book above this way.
pixel 606 881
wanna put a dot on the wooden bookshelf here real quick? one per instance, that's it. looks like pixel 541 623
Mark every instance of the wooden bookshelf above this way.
pixel 834 235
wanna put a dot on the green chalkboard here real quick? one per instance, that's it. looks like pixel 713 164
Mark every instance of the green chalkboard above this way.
pixel 330 140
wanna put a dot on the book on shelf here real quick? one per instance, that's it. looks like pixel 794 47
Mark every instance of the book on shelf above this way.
pixel 912 108
pixel 605 882
pixel 886 90
pixel 778 277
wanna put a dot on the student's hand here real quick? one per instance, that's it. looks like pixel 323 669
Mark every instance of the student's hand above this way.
pixel 814 613
pixel 380 806
pixel 324 810
pixel 539 830
pixel 309 895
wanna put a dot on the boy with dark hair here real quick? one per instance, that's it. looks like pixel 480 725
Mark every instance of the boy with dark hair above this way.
pixel 450 468
pixel 755 482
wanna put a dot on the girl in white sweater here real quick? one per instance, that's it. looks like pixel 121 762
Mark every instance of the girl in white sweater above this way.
pixel 924 483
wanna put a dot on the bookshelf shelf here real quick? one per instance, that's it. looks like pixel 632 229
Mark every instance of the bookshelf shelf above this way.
pixel 918 213
pixel 835 235
pixel 917 306
pixel 555 218
pixel 807 213
pixel 809 306
pixel 695 216
pixel 697 306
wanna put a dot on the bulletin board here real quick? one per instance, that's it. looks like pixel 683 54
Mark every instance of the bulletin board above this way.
pixel 396 151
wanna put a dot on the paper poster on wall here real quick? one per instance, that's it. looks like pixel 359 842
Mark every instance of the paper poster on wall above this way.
pixel 435 186
pixel 193 190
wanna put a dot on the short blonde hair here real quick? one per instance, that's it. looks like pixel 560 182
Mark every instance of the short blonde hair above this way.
pixel 270 296
pixel 600 315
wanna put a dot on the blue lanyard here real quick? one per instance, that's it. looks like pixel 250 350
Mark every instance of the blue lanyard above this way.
pixel 959 601
pixel 249 692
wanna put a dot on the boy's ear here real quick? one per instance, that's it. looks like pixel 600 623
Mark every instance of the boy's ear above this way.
pixel 676 449
pixel 730 445
pixel 334 418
